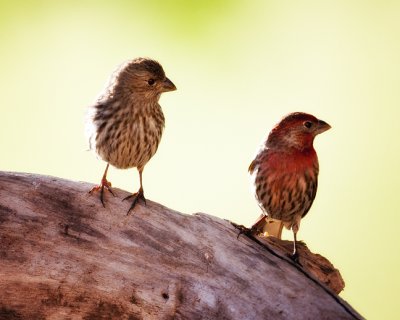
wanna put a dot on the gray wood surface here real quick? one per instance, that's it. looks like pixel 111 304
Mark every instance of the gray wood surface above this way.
pixel 64 256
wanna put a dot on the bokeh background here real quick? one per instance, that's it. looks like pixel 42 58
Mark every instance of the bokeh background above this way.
pixel 239 67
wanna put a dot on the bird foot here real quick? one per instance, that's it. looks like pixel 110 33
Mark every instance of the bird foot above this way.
pixel 242 229
pixel 104 184
pixel 295 257
pixel 136 197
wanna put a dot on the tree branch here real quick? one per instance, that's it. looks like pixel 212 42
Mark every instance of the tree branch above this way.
pixel 64 256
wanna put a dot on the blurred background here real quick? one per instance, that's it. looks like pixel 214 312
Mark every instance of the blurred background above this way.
pixel 239 67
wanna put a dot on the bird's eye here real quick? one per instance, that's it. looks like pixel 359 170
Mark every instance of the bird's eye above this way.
pixel 307 124
pixel 151 82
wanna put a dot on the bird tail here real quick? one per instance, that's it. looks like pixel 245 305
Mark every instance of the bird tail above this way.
pixel 268 226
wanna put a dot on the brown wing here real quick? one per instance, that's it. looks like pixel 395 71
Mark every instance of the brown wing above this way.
pixel 311 191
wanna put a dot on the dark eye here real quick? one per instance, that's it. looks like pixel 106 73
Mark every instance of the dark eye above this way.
pixel 308 124
pixel 151 82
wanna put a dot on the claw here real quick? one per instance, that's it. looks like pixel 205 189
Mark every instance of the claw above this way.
pixel 103 185
pixel 295 257
pixel 136 197
pixel 243 230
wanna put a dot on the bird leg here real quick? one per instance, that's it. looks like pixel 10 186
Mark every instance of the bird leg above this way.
pixel 295 228
pixel 295 255
pixel 138 195
pixel 104 184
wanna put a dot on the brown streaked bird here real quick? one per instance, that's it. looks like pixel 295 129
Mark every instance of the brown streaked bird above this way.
pixel 285 174
pixel 126 123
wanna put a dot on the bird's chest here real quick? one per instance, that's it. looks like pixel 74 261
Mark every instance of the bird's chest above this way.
pixel 133 140
pixel 146 129
pixel 143 134
pixel 286 185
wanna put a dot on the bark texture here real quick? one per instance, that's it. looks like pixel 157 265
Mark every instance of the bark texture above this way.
pixel 64 256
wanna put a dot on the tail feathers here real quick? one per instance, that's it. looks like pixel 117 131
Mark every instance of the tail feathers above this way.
pixel 268 226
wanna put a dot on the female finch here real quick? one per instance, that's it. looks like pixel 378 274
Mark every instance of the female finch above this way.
pixel 285 173
pixel 126 123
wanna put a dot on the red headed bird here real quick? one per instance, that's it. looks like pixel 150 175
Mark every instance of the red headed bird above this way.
pixel 285 173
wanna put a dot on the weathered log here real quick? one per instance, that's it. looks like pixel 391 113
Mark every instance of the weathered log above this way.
pixel 64 256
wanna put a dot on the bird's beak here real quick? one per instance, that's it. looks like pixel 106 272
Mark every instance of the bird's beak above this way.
pixel 168 85
pixel 322 126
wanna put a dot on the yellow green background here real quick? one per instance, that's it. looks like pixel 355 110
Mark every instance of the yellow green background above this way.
pixel 239 67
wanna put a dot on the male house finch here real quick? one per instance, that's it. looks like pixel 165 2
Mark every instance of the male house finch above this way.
pixel 285 173
pixel 126 123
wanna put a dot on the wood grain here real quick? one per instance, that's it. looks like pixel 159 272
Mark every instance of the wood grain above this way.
pixel 64 256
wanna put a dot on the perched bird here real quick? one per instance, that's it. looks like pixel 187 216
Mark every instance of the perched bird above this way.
pixel 125 124
pixel 285 174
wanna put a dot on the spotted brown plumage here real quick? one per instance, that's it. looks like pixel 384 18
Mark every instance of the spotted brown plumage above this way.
pixel 285 174
pixel 126 123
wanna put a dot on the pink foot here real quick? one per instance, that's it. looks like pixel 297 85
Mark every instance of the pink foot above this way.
pixel 103 185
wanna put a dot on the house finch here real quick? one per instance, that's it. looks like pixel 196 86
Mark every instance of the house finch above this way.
pixel 125 125
pixel 285 174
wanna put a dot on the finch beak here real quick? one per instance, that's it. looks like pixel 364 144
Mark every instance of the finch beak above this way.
pixel 322 126
pixel 168 85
